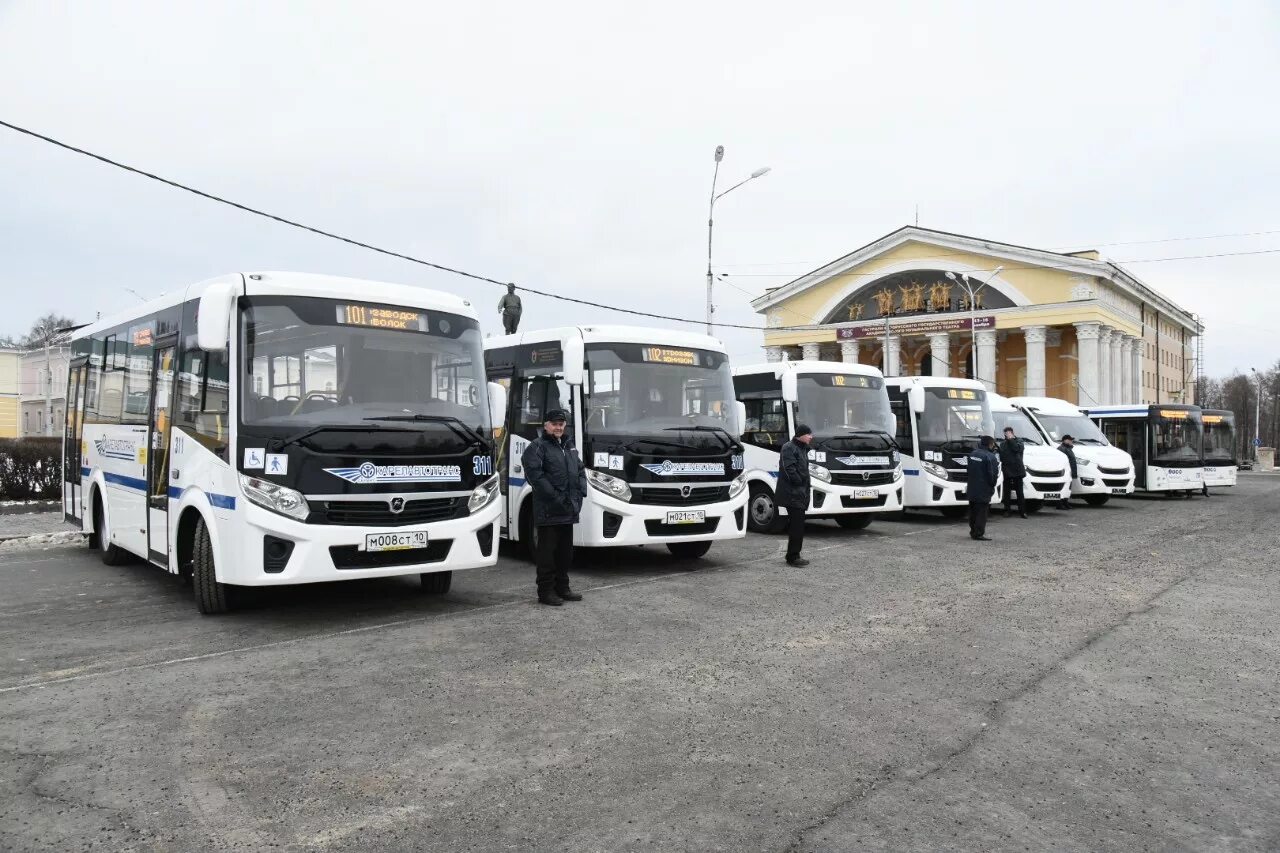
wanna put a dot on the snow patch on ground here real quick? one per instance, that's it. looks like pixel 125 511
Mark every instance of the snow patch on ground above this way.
pixel 41 540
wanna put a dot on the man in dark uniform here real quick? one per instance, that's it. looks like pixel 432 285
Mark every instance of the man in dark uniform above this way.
pixel 1014 471
pixel 793 490
pixel 1068 442
pixel 509 307
pixel 984 473
pixel 553 469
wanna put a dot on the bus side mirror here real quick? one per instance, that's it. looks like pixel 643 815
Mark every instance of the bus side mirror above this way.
pixel 740 410
pixel 574 355
pixel 916 396
pixel 790 392
pixel 213 317
pixel 497 405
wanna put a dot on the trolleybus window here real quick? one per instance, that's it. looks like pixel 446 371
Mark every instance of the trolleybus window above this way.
pixel 1177 437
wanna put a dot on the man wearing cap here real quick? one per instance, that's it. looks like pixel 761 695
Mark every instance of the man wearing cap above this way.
pixel 1011 464
pixel 1068 442
pixel 984 473
pixel 553 469
pixel 793 490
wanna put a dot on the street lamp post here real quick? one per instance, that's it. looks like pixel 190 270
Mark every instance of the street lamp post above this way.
pixel 711 215
pixel 964 281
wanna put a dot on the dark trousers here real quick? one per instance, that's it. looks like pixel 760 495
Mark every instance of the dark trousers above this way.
pixel 978 512
pixel 795 533
pixel 555 555
pixel 510 322
pixel 1011 485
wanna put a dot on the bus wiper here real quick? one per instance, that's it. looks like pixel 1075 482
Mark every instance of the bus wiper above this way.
pixel 281 443
pixel 659 442
pixel 889 440
pixel 1089 441
pixel 456 424
pixel 701 428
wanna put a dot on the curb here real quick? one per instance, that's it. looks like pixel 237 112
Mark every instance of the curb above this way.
pixel 29 507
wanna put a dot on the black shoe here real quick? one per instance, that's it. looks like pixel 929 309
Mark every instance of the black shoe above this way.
pixel 982 538
pixel 798 562
pixel 550 598
pixel 569 595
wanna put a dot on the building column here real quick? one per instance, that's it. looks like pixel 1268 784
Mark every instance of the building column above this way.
pixel 1036 336
pixel 773 353
pixel 849 351
pixel 1125 361
pixel 1104 365
pixel 811 352
pixel 1087 375
pixel 940 352
pixel 1119 386
pixel 1135 371
pixel 984 360
pixel 892 359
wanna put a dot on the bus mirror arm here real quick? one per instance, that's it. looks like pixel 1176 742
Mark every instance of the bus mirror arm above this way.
pixel 497 405
pixel 213 317
pixel 574 353
pixel 790 389
pixel 740 409
pixel 916 396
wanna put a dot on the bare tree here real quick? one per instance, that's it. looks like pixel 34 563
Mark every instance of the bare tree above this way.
pixel 46 329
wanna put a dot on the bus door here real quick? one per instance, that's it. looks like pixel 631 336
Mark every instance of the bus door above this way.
pixel 72 436
pixel 161 419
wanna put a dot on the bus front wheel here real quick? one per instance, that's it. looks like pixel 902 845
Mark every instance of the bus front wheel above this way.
pixel 688 550
pixel 211 596
pixel 854 522
pixel 112 555
pixel 1096 500
pixel 436 583
pixel 762 511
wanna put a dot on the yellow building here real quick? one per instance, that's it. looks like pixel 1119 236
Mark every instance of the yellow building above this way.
pixel 10 360
pixel 1043 323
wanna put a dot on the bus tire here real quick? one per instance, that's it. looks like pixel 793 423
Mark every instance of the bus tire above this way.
pixel 1035 506
pixel 955 511
pixel 762 511
pixel 857 521
pixel 211 596
pixel 436 583
pixel 688 550
pixel 1096 500
pixel 112 555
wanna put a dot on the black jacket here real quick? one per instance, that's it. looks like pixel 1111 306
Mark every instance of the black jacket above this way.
pixel 1071 455
pixel 559 481
pixel 793 476
pixel 984 473
pixel 1011 458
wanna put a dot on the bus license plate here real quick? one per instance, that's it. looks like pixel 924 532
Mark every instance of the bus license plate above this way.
pixel 375 542
pixel 687 516
pixel 1052 496
pixel 1118 491
pixel 865 495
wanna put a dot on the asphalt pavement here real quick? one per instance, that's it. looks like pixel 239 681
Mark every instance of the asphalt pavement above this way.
pixel 1099 679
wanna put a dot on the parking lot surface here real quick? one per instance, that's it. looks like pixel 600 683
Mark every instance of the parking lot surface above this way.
pixel 1099 679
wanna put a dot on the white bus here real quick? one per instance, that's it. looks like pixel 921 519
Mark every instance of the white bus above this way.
pixel 281 428
pixel 938 424
pixel 654 419
pixel 854 463
pixel 1220 463
pixel 1048 469
pixel 1102 470
pixel 1164 441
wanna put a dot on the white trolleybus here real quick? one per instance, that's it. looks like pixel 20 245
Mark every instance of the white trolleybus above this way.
pixel 1220 463
pixel 1164 441
pixel 1102 470
pixel 281 428
pixel 1048 475
pixel 654 419
pixel 854 463
pixel 938 424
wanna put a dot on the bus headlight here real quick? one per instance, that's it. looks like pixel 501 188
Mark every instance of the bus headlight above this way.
pixel 1083 463
pixel 275 497
pixel 483 495
pixel 934 469
pixel 897 474
pixel 820 472
pixel 739 483
pixel 610 485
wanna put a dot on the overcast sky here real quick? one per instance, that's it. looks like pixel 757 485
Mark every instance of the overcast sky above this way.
pixel 569 147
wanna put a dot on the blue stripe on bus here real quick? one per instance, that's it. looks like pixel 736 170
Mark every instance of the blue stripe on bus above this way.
pixel 516 481
pixel 219 501
pixel 175 492
pixel 127 482
pixel 911 472
pixel 773 473
pixel 86 471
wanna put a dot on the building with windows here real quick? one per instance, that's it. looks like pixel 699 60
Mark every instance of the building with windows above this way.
pixel 10 361
pixel 42 390
pixel 1037 323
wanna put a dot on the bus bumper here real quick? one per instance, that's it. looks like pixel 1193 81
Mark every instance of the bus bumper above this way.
pixel 1220 475
pixel 827 499
pixel 1092 482
pixel 607 521
pixel 327 552
pixel 927 491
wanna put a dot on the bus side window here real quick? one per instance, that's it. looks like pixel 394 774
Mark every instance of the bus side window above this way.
pixel 535 395
pixel 902 425
pixel 766 422
pixel 203 400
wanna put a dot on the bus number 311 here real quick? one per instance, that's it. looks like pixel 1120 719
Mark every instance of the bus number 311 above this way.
pixel 482 466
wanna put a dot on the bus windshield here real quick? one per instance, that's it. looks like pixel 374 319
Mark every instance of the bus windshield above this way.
pixel 955 415
pixel 1022 426
pixel 1079 427
pixel 678 394
pixel 311 362
pixel 1176 437
pixel 1219 439
pixel 834 403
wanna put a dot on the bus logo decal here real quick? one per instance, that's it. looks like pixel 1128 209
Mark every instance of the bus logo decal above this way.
pixel 367 472
pixel 397 505
pixel 667 468
pixel 115 448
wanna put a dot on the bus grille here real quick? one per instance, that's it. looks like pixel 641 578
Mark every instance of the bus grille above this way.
pixel 1123 472
pixel 351 557
pixel 672 497
pixel 855 478
pixel 1034 473
pixel 1115 484
pixel 379 514
pixel 659 528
